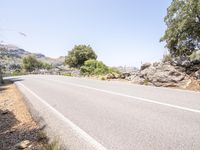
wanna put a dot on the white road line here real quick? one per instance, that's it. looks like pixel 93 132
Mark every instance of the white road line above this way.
pixel 129 96
pixel 78 130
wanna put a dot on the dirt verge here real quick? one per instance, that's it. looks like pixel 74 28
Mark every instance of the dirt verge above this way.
pixel 17 128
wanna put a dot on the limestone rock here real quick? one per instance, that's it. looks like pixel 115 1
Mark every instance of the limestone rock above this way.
pixel 144 66
pixel 24 144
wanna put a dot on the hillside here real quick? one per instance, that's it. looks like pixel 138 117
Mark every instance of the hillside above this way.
pixel 11 57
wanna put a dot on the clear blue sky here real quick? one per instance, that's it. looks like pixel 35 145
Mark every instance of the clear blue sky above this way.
pixel 122 32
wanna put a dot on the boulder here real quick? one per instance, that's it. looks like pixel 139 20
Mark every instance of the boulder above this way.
pixel 22 145
pixel 197 74
pixel 125 75
pixel 137 80
pixel 145 65
pixel 159 74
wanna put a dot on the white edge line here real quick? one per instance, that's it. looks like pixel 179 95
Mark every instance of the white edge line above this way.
pixel 78 130
pixel 133 97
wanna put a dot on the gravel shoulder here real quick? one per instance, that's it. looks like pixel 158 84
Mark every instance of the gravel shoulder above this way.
pixel 17 128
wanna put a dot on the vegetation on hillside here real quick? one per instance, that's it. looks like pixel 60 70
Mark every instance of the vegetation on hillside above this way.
pixel 78 55
pixel 182 36
pixel 84 58
pixel 30 63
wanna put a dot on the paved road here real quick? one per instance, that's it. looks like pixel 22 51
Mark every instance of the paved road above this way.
pixel 120 116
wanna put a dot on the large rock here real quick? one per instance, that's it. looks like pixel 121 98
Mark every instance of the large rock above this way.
pixel 197 74
pixel 159 74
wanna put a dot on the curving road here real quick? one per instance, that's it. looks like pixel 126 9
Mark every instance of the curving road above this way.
pixel 92 114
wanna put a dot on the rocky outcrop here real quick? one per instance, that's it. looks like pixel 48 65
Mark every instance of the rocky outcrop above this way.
pixel 177 73
pixel 158 74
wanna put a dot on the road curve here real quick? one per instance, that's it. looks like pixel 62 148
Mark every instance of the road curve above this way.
pixel 115 115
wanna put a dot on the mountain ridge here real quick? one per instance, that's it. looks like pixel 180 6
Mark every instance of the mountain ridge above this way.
pixel 11 54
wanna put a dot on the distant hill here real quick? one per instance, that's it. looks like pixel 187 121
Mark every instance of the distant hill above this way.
pixel 12 55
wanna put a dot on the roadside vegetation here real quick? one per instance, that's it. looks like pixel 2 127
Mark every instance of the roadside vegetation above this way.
pixel 182 38
pixel 84 58
pixel 78 55
pixel 30 63
pixel 182 35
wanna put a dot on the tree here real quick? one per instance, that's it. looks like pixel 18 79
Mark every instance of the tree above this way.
pixel 78 55
pixel 30 63
pixel 182 35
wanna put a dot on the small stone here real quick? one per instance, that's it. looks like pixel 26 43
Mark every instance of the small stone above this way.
pixel 24 144
pixel 12 130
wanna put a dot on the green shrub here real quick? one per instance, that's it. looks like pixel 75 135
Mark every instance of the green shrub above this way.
pixel 94 67
pixel 146 82
pixel 18 73
pixel 46 66
pixel 30 63
pixel 67 74
pixel 195 55
pixel 52 146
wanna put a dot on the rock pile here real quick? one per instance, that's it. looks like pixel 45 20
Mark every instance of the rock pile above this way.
pixel 177 73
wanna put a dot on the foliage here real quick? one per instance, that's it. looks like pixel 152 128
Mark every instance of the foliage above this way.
pixel 167 58
pixel 78 55
pixel 182 36
pixel 146 82
pixel 46 66
pixel 30 63
pixel 52 146
pixel 18 73
pixel 195 55
pixel 94 67
pixel 67 74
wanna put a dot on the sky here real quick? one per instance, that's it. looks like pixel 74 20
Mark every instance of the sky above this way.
pixel 121 32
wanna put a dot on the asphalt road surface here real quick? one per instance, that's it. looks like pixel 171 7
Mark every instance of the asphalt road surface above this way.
pixel 120 116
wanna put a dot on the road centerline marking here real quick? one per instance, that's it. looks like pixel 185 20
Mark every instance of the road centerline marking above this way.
pixel 129 96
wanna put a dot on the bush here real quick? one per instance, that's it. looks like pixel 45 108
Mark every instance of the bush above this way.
pixel 167 58
pixel 78 55
pixel 46 66
pixel 51 146
pixel 67 74
pixel 94 67
pixel 195 55
pixel 30 63
pixel 18 73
